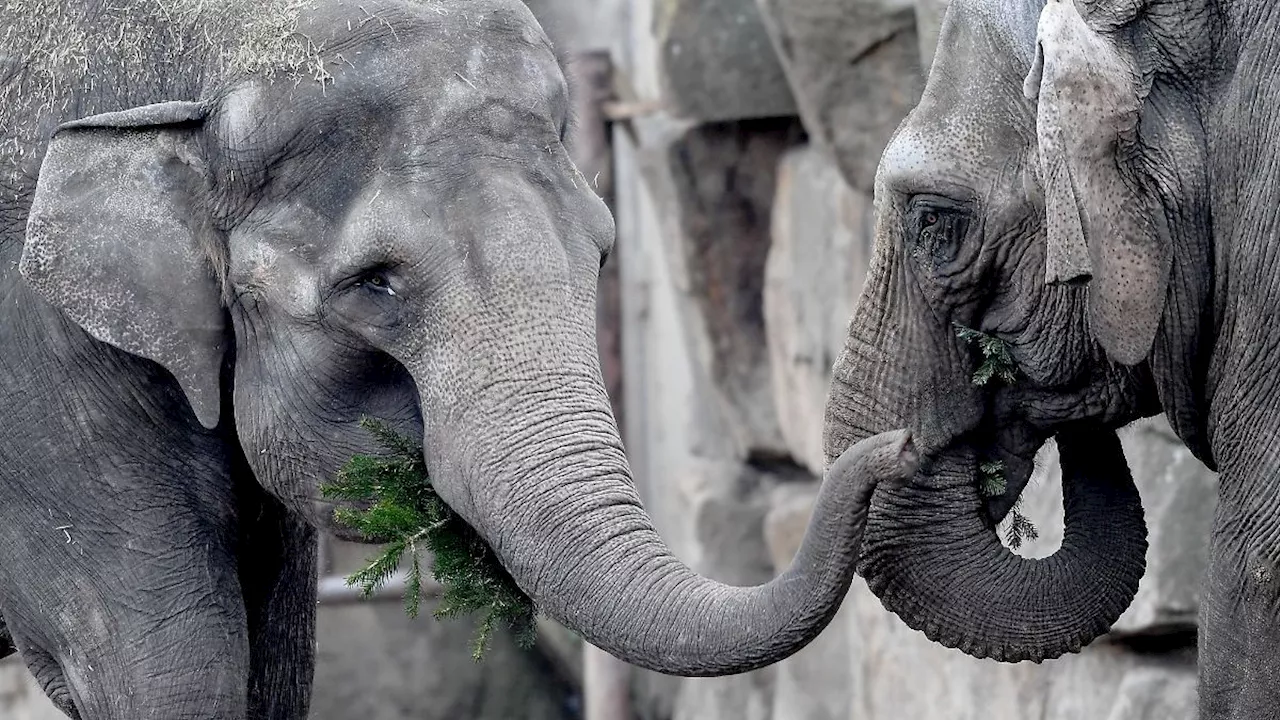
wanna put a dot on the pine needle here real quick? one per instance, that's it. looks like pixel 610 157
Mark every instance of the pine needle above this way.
pixel 997 361
pixel 991 480
pixel 404 512
pixel 997 364
pixel 1020 529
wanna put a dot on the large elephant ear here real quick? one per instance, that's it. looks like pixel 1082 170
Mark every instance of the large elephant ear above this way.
pixel 1103 226
pixel 114 240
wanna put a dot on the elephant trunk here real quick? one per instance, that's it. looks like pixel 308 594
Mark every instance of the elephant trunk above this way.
pixel 934 561
pixel 930 555
pixel 554 498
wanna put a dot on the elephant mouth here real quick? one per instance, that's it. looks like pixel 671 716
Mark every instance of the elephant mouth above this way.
pixel 1006 445
pixel 1016 423
pixel 1006 465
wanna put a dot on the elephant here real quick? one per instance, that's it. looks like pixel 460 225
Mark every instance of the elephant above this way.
pixel 230 232
pixel 1091 185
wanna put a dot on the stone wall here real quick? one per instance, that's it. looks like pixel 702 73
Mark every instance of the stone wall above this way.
pixel 744 234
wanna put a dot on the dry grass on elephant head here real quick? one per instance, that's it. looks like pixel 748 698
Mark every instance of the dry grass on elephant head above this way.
pixel 52 39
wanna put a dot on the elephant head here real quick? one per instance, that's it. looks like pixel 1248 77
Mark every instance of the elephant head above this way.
pixel 399 234
pixel 1044 192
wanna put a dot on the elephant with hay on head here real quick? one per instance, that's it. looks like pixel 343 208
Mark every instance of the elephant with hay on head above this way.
pixel 231 230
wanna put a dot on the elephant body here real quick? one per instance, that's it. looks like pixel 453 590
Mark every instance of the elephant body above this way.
pixel 231 230
pixel 144 567
pixel 146 573
pixel 1090 186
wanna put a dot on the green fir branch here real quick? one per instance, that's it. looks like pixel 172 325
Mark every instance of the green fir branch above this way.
pixel 1020 530
pixel 991 480
pixel 997 361
pixel 997 364
pixel 402 510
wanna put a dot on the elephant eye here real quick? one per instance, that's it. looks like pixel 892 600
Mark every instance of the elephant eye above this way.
pixel 377 282
pixel 937 229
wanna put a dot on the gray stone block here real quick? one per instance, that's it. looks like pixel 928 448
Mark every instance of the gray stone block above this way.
pixel 896 673
pixel 375 663
pixel 20 697
pixel 735 697
pixel 1179 495
pixel 1156 694
pixel 813 683
pixel 713 188
pixel 575 25
pixel 716 61
pixel 694 234
pixel 817 264
pixel 854 68
pixel 790 506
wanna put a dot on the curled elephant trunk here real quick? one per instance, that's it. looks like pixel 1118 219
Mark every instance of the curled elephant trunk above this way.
pixel 935 563
pixel 557 503
pixel 930 554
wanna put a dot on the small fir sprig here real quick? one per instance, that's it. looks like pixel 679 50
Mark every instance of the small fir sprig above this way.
pixel 404 511
pixel 991 482
pixel 991 478
pixel 997 361
pixel 1020 530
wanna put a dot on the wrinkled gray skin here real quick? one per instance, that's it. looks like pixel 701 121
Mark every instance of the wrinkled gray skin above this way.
pixel 406 240
pixel 1096 184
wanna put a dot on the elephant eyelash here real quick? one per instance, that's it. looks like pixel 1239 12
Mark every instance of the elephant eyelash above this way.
pixel 377 279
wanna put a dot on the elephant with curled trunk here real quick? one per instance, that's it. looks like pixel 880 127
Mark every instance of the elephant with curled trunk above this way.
pixel 230 231
pixel 1093 184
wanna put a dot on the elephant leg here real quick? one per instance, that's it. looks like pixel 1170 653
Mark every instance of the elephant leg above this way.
pixel 176 648
pixel 1240 613
pixel 278 573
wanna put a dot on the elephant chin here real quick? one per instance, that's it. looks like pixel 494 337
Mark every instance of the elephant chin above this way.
pixel 934 559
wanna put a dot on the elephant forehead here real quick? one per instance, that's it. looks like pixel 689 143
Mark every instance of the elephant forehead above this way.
pixel 924 159
pixel 1007 25
pixel 437 74
pixel 972 120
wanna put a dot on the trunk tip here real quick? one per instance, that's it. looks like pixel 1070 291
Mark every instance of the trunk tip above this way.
pixel 908 456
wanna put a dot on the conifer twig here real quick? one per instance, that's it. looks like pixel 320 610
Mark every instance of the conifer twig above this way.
pixel 997 361
pixel 403 511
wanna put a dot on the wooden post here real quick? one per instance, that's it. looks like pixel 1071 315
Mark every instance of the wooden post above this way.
pixel 606 680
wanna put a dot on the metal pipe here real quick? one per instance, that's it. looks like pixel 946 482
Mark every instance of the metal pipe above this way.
pixel 323 554
pixel 333 590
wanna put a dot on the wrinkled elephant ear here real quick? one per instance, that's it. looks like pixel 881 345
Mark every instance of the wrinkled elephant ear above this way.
pixel 1103 225
pixel 114 240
